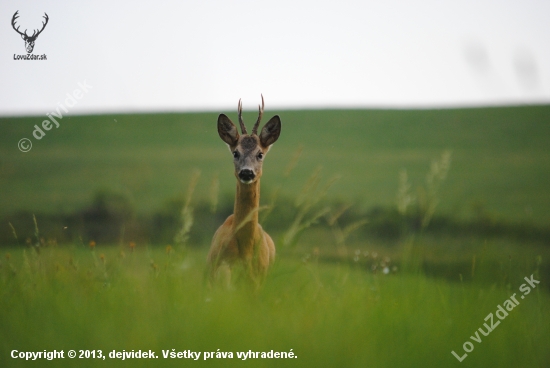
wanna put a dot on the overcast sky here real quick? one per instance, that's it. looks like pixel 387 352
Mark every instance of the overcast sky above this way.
pixel 205 55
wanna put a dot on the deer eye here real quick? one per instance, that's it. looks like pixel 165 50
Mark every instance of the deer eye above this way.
pixel 260 155
pixel 236 154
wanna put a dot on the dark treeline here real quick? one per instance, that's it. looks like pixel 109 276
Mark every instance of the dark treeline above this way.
pixel 110 219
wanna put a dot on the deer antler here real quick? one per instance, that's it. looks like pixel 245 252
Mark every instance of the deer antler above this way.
pixel 43 26
pixel 260 114
pixel 15 16
pixel 34 34
pixel 240 109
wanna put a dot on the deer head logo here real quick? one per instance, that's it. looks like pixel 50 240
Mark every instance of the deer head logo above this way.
pixel 29 40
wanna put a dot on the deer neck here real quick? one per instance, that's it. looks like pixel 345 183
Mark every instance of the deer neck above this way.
pixel 247 202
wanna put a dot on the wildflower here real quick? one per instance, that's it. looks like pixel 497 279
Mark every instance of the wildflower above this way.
pixel 8 256
pixel 92 244
pixel 102 257
pixel 132 245
pixel 168 249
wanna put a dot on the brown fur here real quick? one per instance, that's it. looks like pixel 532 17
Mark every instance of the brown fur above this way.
pixel 240 240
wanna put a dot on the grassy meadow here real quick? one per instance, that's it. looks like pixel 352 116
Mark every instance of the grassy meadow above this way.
pixel 398 232
pixel 500 157
pixel 112 298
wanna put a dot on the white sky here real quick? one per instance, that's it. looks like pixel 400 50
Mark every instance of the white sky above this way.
pixel 205 55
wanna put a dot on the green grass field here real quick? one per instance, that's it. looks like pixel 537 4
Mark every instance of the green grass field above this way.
pixel 500 158
pixel 336 296
pixel 328 314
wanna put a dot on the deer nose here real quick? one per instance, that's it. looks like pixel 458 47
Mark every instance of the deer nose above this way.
pixel 246 175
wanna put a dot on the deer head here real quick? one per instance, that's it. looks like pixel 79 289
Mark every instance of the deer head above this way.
pixel 249 150
pixel 29 40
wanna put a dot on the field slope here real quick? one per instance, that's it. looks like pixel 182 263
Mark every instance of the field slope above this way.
pixel 500 157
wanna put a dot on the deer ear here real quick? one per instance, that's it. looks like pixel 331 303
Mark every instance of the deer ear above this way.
pixel 270 132
pixel 227 130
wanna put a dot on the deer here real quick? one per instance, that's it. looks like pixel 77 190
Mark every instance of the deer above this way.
pixel 241 240
pixel 29 40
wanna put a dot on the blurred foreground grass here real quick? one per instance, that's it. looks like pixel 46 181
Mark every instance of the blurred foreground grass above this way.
pixel 329 314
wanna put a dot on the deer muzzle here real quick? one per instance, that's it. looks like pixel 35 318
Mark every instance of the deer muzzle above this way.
pixel 246 176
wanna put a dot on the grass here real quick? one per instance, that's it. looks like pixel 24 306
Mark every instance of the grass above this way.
pixel 113 298
pixel 500 159
pixel 337 295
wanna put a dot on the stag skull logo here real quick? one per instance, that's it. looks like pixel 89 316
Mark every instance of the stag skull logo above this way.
pixel 29 40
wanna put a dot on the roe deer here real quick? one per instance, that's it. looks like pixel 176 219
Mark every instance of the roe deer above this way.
pixel 241 239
